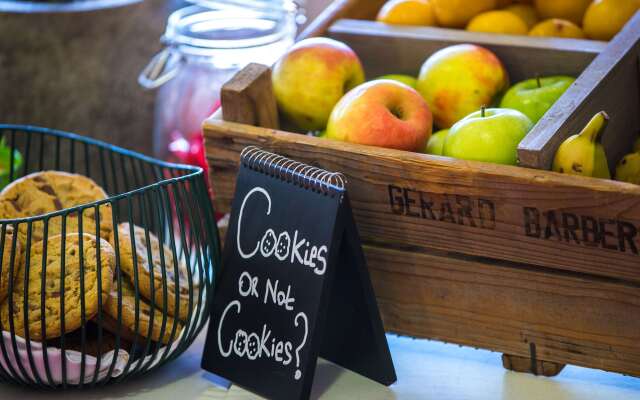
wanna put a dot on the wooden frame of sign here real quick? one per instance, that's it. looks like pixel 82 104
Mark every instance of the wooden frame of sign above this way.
pixel 295 285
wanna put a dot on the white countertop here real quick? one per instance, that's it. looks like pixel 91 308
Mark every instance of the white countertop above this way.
pixel 426 370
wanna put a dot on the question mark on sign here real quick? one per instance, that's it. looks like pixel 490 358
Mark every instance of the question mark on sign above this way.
pixel 302 315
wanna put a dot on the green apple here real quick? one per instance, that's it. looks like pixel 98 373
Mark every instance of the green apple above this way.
pixel 436 142
pixel 490 135
pixel 406 79
pixel 534 97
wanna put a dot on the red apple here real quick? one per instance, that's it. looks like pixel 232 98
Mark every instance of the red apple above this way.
pixel 458 80
pixel 382 113
pixel 310 79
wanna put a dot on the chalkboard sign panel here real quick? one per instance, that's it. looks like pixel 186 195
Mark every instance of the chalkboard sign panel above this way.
pixel 294 284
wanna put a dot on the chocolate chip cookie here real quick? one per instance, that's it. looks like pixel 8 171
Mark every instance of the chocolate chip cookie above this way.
pixel 148 326
pixel 9 258
pixel 92 346
pixel 49 191
pixel 95 257
pixel 111 324
pixel 145 265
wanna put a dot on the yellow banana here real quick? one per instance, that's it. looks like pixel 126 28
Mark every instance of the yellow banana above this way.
pixel 583 154
pixel 628 169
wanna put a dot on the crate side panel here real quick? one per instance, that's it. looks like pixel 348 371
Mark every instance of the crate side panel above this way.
pixel 570 319
pixel 419 201
pixel 409 47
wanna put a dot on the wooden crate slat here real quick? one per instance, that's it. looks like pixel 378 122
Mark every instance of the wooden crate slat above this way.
pixel 249 97
pixel 409 46
pixel 506 204
pixel 570 319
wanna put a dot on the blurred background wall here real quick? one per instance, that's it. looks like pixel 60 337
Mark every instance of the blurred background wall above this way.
pixel 77 71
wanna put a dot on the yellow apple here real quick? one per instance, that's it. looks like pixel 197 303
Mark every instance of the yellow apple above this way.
pixel 383 113
pixel 572 10
pixel 311 77
pixel 457 80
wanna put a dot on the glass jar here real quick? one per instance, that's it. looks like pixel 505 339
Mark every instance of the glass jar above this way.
pixel 205 47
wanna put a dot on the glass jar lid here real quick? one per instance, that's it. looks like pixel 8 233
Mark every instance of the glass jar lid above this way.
pixel 224 25
pixel 225 33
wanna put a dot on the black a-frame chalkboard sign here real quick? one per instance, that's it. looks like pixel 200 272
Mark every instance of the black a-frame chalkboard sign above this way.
pixel 294 285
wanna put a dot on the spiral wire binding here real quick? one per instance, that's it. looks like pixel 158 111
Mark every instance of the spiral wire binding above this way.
pixel 165 202
pixel 298 173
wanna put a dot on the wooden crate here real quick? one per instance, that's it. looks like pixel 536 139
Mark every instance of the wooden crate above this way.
pixel 540 266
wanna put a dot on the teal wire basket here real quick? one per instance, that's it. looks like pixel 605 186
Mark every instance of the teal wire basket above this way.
pixel 149 201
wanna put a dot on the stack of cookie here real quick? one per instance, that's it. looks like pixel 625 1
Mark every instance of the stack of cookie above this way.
pixel 75 275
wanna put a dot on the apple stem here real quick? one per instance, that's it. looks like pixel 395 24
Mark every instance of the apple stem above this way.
pixel 482 111
pixel 538 81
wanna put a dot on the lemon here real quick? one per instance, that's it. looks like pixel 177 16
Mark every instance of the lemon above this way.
pixel 458 13
pixel 407 12
pixel 556 27
pixel 526 12
pixel 571 10
pixel 605 18
pixel 498 22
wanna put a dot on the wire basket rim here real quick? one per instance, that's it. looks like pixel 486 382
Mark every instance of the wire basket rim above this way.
pixel 192 170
